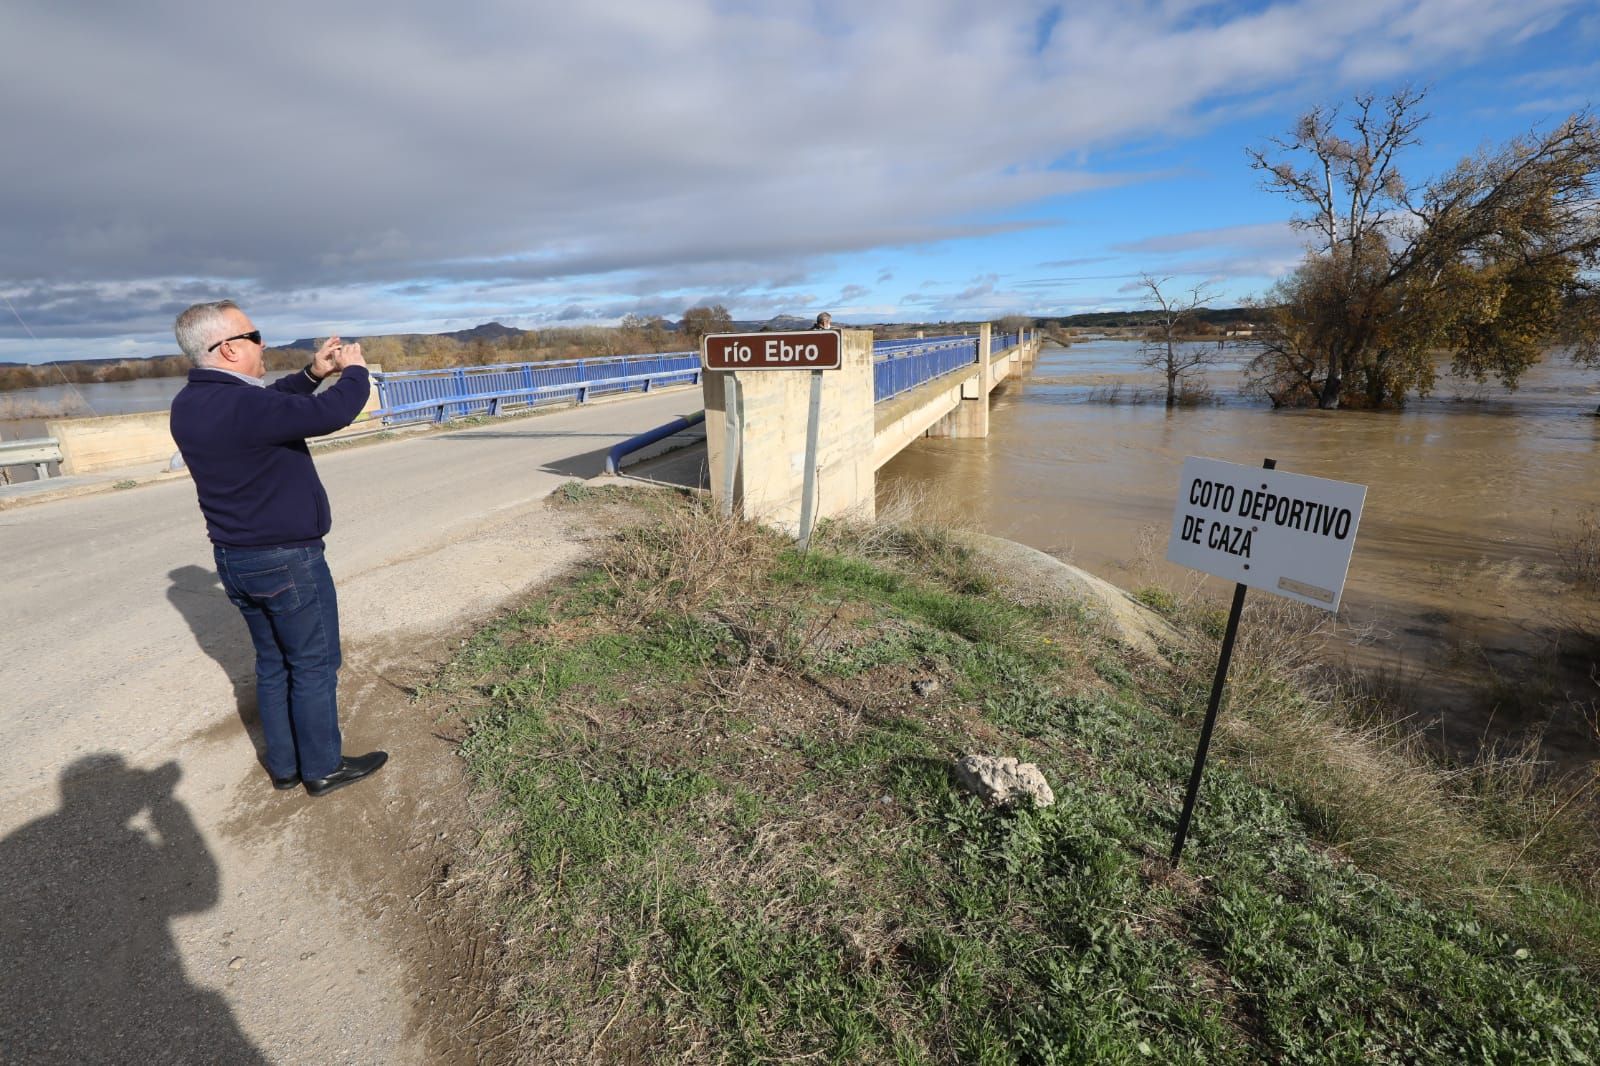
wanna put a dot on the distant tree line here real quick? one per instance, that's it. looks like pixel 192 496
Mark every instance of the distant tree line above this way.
pixel 89 371
pixel 1205 321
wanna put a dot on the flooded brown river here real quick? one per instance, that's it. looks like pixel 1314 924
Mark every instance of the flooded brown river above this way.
pixel 1455 574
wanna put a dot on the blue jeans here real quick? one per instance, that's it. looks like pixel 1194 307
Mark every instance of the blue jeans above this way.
pixel 287 599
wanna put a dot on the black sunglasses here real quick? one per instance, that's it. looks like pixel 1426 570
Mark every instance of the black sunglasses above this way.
pixel 254 337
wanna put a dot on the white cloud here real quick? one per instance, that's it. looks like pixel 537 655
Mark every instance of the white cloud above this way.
pixel 1584 76
pixel 609 152
pixel 1260 235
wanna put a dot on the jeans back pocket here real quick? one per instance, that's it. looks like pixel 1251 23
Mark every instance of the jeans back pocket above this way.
pixel 274 591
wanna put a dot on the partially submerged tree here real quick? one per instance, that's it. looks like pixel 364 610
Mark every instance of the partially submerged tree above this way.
pixel 1490 263
pixel 1165 352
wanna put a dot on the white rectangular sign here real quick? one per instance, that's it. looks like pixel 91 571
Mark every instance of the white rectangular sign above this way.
pixel 1289 534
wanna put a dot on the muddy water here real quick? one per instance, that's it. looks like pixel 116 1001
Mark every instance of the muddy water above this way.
pixel 1455 570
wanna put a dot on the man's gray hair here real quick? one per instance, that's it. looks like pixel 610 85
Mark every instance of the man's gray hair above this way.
pixel 199 325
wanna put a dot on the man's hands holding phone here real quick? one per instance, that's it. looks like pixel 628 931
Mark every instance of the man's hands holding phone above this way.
pixel 335 355
pixel 350 355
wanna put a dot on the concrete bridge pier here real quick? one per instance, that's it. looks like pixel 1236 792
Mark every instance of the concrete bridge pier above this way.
pixel 970 418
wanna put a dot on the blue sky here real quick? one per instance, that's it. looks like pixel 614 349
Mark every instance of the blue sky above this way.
pixel 393 167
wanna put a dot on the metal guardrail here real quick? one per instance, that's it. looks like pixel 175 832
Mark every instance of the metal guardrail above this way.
pixel 440 395
pixel 37 452
pixel 888 349
pixel 643 440
pixel 905 370
pixel 492 403
pixel 901 365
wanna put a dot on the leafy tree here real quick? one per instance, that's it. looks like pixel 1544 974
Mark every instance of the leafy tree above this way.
pixel 700 321
pixel 1164 351
pixel 1489 262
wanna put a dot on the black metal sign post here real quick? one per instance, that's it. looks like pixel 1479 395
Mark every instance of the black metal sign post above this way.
pixel 1211 711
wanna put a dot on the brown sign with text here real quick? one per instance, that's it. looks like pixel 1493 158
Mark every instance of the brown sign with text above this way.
pixel 815 349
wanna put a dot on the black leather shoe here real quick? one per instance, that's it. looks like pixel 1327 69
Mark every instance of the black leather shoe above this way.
pixel 348 772
pixel 284 783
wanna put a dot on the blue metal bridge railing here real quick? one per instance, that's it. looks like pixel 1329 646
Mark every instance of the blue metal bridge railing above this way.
pixel 905 368
pixel 439 395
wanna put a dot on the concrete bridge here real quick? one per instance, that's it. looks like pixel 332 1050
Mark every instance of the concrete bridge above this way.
pixel 860 432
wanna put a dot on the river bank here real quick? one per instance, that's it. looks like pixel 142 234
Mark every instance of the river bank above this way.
pixel 719 821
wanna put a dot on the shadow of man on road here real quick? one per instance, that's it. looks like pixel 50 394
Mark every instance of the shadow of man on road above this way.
pixel 93 974
pixel 197 595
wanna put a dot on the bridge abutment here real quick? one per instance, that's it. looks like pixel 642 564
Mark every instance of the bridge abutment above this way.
pixel 770 410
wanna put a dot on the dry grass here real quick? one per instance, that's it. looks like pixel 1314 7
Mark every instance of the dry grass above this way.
pixel 1192 392
pixel 1578 549
pixel 689 556
pixel 1477 834
pixel 30 408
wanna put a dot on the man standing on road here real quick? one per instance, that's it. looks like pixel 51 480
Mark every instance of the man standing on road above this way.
pixel 266 513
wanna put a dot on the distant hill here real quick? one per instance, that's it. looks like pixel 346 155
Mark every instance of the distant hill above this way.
pixel 489 332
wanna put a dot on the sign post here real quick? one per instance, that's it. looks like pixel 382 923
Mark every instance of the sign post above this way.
pixel 808 492
pixel 815 350
pixel 730 451
pixel 1289 534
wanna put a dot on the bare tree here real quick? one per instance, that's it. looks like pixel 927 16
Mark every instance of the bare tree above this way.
pixel 1164 351
pixel 699 321
pixel 643 334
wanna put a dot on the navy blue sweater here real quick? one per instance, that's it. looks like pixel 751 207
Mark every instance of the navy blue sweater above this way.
pixel 246 447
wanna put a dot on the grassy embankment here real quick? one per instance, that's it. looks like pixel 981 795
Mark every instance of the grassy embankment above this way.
pixel 721 825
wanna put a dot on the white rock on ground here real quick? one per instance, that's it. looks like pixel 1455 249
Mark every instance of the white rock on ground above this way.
pixel 1002 781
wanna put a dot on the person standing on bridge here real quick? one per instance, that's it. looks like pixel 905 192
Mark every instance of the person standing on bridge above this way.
pixel 266 512
pixel 824 321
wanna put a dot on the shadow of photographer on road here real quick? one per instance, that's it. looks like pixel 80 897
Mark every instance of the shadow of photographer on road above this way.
pixel 93 973
pixel 196 593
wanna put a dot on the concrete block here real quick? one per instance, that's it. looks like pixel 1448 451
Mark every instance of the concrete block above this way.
pixel 360 424
pixel 90 445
